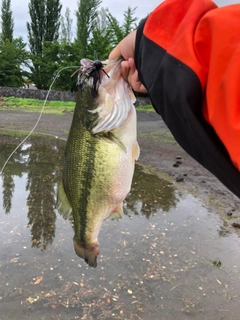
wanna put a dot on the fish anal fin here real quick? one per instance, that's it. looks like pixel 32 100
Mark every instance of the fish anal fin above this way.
pixel 63 205
pixel 132 96
pixel 136 151
pixel 117 213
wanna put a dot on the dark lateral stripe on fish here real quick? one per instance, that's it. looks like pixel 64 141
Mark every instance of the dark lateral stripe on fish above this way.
pixel 87 177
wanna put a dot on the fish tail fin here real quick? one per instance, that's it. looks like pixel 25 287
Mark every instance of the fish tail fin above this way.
pixel 88 253
pixel 63 205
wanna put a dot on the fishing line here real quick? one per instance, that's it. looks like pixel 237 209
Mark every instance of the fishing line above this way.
pixel 41 113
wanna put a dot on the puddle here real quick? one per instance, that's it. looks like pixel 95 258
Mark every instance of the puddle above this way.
pixel 159 262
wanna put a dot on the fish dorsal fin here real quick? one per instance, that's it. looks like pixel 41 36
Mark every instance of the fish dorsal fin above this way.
pixel 63 205
pixel 115 101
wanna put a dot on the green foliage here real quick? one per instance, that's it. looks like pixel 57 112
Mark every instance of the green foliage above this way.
pixel 53 13
pixel 108 32
pixel 58 56
pixel 36 29
pixel 68 57
pixel 129 23
pixel 97 31
pixel 13 62
pixel 100 41
pixel 66 27
pixel 44 28
pixel 86 19
pixel 119 32
pixel 6 21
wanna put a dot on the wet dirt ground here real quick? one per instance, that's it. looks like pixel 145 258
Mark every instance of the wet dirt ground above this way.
pixel 170 257
pixel 159 154
pixel 181 263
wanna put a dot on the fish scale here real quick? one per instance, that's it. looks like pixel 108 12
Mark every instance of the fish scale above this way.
pixel 99 159
pixel 79 146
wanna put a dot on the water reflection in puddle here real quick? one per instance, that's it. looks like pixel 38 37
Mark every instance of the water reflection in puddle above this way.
pixel 157 263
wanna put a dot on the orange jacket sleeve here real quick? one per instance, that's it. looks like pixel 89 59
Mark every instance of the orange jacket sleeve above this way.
pixel 188 57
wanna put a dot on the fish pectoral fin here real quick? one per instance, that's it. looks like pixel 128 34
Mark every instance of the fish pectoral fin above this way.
pixel 117 213
pixel 110 136
pixel 63 205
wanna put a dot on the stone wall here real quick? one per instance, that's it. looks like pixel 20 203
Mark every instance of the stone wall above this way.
pixel 142 101
pixel 53 95
pixel 37 94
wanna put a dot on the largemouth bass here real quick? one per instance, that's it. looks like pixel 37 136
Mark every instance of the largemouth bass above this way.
pixel 100 155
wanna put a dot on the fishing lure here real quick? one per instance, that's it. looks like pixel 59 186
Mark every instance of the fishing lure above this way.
pixel 93 70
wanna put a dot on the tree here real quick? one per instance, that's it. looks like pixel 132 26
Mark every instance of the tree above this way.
pixel 119 32
pixel 86 19
pixel 100 41
pixel 36 28
pixel 107 32
pixel 53 15
pixel 66 27
pixel 13 62
pixel 44 27
pixel 7 21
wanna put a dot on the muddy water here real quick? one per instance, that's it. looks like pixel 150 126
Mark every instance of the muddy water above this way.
pixel 169 258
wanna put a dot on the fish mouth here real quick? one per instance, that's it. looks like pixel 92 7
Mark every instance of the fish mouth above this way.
pixel 88 253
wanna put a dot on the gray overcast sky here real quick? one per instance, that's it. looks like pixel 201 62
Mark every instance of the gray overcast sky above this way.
pixel 116 7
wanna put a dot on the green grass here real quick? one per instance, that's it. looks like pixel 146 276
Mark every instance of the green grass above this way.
pixel 147 107
pixel 34 105
pixel 164 137
pixel 54 107
pixel 13 133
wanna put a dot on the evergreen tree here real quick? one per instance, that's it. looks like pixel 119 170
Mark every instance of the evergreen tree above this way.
pixel 53 15
pixel 100 42
pixel 7 21
pixel 119 32
pixel 44 27
pixel 13 63
pixel 86 19
pixel 66 27
pixel 36 29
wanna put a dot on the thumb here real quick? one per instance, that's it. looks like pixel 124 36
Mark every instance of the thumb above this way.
pixel 116 53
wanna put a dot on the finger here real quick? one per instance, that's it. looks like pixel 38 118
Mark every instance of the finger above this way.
pixel 136 83
pixel 125 68
pixel 132 65
pixel 125 48
pixel 116 53
pixel 133 77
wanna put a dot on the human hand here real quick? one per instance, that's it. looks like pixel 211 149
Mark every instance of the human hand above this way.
pixel 125 48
